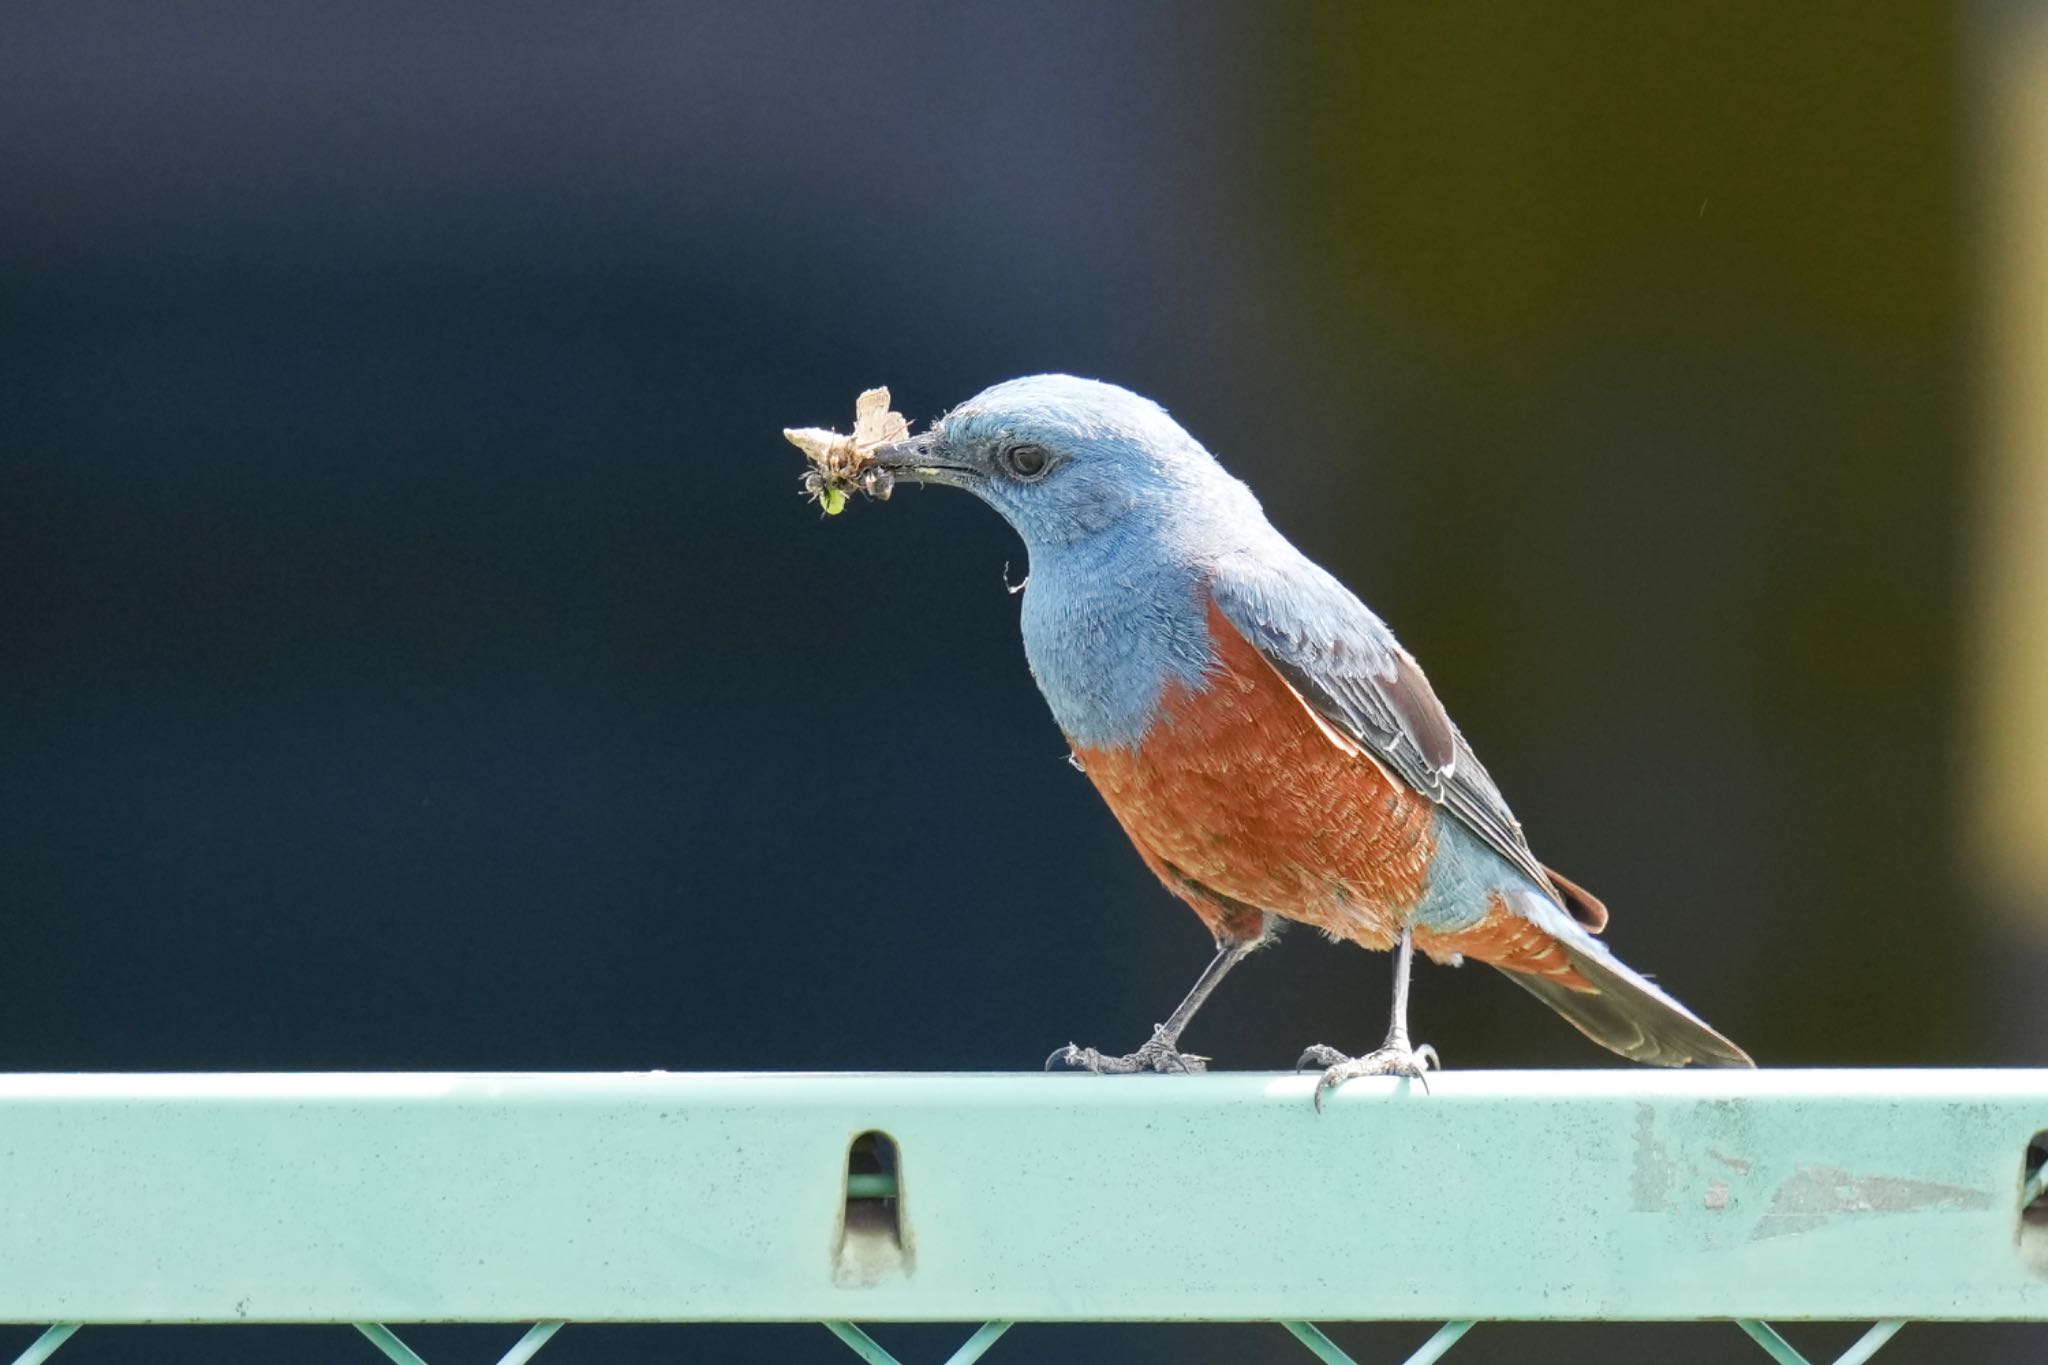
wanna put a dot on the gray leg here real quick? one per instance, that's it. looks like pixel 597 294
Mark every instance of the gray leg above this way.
pixel 1395 1057
pixel 1162 1052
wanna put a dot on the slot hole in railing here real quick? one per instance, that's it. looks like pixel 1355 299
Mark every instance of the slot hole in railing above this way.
pixel 2033 1210
pixel 873 1238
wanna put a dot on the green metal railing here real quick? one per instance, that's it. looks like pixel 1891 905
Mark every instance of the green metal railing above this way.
pixel 371 1199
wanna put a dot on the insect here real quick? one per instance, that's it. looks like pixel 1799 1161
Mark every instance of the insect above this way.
pixel 843 464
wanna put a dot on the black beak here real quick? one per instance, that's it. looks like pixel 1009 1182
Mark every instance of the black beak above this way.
pixel 922 460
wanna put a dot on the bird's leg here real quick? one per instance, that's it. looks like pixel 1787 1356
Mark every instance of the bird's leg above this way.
pixel 1398 1056
pixel 1161 1052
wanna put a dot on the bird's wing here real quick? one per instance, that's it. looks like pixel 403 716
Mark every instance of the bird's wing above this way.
pixel 1346 665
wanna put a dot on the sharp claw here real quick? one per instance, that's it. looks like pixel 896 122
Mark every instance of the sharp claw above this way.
pixel 1397 1058
pixel 1154 1056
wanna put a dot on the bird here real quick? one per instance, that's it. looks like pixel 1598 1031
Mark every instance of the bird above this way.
pixel 1272 751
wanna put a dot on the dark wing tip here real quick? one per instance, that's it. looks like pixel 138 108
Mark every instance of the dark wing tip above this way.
pixel 1410 696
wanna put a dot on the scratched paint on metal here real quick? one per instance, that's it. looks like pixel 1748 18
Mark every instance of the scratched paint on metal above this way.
pixel 651 1197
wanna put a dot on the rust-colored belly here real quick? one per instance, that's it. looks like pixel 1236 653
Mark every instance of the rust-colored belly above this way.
pixel 1242 790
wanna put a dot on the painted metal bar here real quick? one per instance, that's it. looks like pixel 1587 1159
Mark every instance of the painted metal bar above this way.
pixel 1634 1194
pixel 1446 1337
pixel 1431 1351
pixel 1766 1336
pixel 1313 1337
pixel 976 1346
pixel 45 1346
pixel 1870 1342
pixel 861 1344
pixel 529 1345
pixel 386 1340
pixel 1785 1353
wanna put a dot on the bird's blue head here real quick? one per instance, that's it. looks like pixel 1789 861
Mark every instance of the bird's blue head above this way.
pixel 1074 461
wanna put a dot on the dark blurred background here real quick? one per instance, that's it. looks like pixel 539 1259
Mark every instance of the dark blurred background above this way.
pixel 414 653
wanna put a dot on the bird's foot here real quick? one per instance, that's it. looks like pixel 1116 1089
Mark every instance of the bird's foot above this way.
pixel 1397 1057
pixel 1157 1055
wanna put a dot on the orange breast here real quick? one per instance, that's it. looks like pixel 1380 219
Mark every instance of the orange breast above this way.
pixel 1244 792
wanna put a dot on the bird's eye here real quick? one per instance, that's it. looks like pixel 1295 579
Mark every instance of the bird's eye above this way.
pixel 1026 461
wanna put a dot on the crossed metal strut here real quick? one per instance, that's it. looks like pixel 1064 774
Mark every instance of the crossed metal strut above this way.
pixel 871 1351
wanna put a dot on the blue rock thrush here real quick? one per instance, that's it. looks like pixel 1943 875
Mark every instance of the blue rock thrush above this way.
pixel 1271 749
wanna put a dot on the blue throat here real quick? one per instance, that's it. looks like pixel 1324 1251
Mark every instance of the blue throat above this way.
pixel 1105 637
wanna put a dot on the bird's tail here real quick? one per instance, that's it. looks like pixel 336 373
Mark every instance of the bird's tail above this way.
pixel 1551 953
pixel 1622 1010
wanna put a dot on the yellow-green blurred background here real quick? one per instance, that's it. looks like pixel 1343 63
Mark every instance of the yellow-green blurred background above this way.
pixel 415 653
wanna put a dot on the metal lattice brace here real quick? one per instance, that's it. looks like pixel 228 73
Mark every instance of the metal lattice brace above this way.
pixel 1782 1350
pixel 523 1350
pixel 1330 1353
pixel 382 1337
pixel 873 1352
pixel 972 1350
pixel 1763 1333
pixel 45 1346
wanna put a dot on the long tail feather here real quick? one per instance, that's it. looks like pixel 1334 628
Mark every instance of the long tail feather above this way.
pixel 1625 1013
